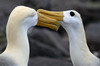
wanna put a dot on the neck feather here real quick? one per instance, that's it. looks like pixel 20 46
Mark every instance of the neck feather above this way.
pixel 17 43
pixel 79 50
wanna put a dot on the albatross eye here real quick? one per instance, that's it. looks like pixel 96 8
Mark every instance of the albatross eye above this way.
pixel 72 13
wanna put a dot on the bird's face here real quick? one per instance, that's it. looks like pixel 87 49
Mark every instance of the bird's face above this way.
pixel 27 17
pixel 70 17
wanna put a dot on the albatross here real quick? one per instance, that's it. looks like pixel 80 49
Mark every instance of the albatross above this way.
pixel 20 20
pixel 72 23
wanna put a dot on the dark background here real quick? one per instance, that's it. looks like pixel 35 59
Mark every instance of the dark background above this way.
pixel 48 47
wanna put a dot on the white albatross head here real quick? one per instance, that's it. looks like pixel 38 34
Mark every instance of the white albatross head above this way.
pixel 23 16
pixel 71 17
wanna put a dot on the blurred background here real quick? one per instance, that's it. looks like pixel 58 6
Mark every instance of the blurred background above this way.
pixel 48 47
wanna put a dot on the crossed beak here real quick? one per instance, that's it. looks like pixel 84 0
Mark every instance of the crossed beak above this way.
pixel 49 19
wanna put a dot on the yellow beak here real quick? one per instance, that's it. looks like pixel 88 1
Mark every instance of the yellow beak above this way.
pixel 49 19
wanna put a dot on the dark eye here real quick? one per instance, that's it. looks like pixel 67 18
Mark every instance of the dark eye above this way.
pixel 72 13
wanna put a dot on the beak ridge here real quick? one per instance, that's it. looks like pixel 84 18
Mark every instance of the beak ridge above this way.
pixel 49 19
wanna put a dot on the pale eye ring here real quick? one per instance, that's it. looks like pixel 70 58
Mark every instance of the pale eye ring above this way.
pixel 72 13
